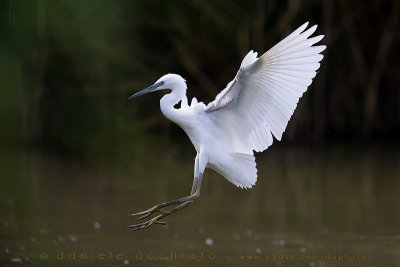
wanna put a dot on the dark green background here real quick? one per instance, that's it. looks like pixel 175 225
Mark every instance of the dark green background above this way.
pixel 67 67
pixel 76 157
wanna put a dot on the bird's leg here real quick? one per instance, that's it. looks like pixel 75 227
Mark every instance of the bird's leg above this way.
pixel 156 220
pixel 157 208
pixel 196 176
pixel 183 203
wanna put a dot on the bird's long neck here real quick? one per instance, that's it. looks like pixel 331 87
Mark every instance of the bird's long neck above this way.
pixel 168 102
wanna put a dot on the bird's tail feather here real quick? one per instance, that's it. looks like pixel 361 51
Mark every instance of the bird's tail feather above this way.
pixel 243 171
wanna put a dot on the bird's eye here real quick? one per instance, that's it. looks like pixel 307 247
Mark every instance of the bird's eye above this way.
pixel 162 83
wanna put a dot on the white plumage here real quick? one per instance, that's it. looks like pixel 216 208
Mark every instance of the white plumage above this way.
pixel 262 97
pixel 256 105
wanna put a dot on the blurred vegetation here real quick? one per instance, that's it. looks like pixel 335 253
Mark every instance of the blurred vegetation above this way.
pixel 67 67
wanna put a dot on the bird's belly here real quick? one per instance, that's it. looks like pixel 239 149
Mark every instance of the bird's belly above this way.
pixel 199 138
pixel 204 136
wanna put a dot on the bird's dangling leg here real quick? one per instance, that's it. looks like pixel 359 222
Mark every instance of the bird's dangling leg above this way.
pixel 192 196
pixel 186 201
pixel 183 202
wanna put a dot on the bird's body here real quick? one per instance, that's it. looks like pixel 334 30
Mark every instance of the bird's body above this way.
pixel 256 105
pixel 228 158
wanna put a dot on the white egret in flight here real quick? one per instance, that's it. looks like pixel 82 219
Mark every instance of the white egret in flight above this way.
pixel 256 105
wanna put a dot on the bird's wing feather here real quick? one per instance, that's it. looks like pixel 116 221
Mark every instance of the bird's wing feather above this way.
pixel 262 97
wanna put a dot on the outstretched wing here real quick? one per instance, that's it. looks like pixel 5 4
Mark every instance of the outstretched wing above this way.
pixel 262 97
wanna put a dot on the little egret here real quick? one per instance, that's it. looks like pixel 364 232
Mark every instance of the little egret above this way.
pixel 256 105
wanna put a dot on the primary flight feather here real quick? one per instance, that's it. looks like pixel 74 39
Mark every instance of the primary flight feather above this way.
pixel 256 105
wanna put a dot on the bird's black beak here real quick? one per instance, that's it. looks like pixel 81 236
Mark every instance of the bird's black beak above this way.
pixel 149 89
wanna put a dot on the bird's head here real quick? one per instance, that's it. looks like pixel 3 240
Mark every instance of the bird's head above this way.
pixel 174 82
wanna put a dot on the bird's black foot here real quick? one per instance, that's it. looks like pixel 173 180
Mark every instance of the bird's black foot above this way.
pixel 147 224
pixel 157 219
pixel 146 213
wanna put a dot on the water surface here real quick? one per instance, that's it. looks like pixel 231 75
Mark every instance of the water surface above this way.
pixel 330 206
